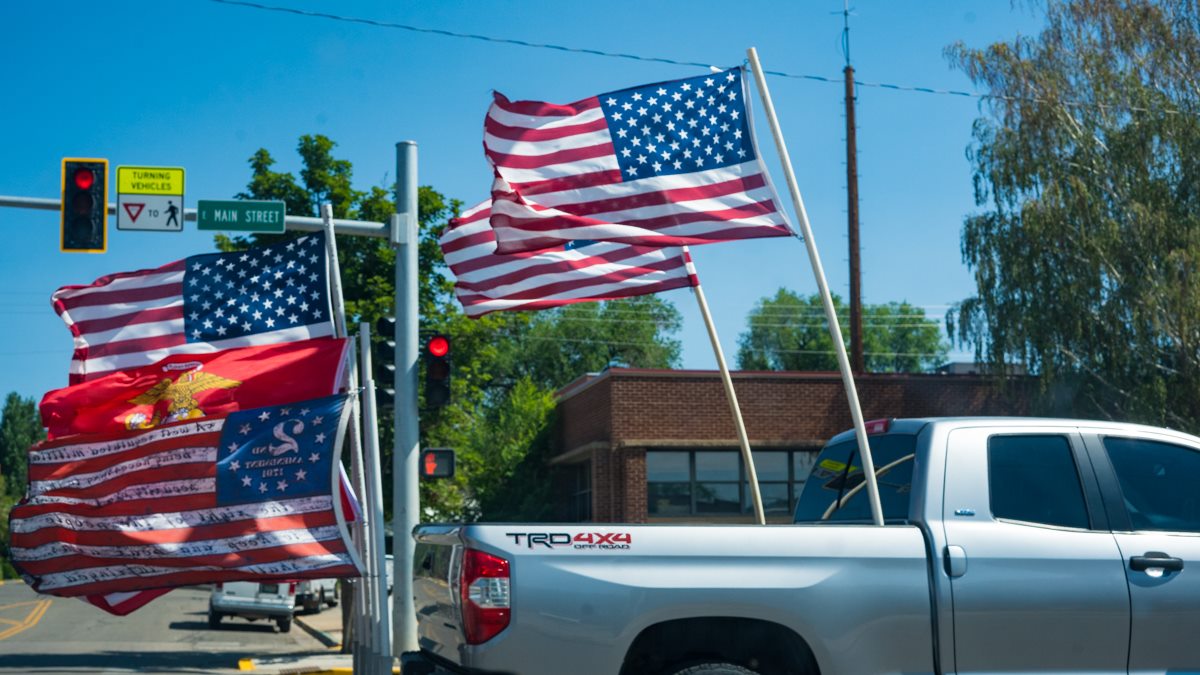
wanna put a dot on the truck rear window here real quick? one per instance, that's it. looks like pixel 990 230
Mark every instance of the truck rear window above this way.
pixel 836 491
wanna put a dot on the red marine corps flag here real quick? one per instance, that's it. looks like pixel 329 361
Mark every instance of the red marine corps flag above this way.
pixel 191 386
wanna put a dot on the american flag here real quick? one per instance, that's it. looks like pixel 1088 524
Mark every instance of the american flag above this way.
pixel 663 164
pixel 577 272
pixel 203 303
pixel 247 496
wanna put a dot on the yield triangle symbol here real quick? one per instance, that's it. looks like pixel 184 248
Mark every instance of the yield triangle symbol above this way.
pixel 134 210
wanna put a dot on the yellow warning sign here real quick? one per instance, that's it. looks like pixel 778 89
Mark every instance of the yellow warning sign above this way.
pixel 149 180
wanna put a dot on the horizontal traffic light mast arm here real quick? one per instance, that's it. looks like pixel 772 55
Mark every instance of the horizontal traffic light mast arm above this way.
pixel 364 228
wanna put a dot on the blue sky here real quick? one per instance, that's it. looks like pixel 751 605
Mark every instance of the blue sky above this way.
pixel 202 85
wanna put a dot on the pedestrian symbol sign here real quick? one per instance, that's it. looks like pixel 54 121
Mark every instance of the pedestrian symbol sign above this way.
pixel 150 198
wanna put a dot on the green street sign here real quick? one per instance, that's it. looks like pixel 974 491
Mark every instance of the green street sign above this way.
pixel 240 215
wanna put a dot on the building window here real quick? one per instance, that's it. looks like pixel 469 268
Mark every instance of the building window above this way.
pixel 715 482
pixel 579 489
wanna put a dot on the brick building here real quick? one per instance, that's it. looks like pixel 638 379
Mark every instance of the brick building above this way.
pixel 638 445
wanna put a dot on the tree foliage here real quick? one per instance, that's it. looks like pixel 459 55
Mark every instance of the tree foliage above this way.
pixel 506 365
pixel 788 332
pixel 20 428
pixel 1087 168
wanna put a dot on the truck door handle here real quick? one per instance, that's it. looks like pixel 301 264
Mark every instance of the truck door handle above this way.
pixel 1141 563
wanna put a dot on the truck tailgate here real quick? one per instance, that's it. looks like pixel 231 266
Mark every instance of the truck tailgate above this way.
pixel 435 591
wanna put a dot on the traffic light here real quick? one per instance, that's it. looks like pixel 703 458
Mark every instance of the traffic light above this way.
pixel 384 362
pixel 437 371
pixel 84 206
pixel 437 463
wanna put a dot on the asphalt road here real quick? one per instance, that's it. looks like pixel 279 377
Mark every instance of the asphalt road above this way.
pixel 41 634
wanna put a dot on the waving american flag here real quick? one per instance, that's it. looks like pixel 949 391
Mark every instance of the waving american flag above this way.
pixel 663 164
pixel 203 303
pixel 579 271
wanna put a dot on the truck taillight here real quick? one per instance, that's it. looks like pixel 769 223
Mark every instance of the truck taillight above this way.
pixel 486 596
pixel 292 588
pixel 220 586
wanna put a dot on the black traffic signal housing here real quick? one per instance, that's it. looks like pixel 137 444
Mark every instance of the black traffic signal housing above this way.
pixel 84 210
pixel 437 463
pixel 383 362
pixel 436 352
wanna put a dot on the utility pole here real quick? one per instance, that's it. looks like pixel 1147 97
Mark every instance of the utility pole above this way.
pixel 857 363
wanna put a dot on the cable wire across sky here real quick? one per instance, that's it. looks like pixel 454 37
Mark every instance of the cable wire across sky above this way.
pixel 658 59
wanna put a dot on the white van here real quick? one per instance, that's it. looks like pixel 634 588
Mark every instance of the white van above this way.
pixel 314 594
pixel 253 600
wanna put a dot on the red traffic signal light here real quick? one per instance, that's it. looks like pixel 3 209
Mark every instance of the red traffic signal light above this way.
pixel 437 463
pixel 439 345
pixel 437 371
pixel 84 210
pixel 84 178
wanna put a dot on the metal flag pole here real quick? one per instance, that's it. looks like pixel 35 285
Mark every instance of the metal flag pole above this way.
pixel 730 394
pixel 835 331
pixel 383 627
pixel 359 630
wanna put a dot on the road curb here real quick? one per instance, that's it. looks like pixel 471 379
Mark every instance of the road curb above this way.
pixel 321 636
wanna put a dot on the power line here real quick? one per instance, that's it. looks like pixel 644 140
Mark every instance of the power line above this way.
pixel 675 62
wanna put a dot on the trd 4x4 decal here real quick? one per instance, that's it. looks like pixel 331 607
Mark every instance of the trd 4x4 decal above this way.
pixel 581 541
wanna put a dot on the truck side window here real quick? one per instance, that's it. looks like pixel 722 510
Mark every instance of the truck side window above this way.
pixel 1033 479
pixel 1159 483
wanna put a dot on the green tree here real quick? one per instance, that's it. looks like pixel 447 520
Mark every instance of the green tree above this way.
pixel 507 365
pixel 788 332
pixel 1086 167
pixel 20 428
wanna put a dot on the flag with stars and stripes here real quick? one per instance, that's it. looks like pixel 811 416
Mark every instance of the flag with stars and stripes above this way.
pixel 203 303
pixel 662 164
pixel 580 271
pixel 245 496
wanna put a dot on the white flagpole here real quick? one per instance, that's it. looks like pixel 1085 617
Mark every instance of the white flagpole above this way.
pixel 835 330
pixel 734 408
pixel 359 629
pixel 379 603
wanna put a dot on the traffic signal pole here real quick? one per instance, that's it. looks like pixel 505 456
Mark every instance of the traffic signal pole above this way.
pixel 356 228
pixel 406 453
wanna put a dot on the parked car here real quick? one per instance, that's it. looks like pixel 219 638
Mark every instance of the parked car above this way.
pixel 273 601
pixel 1011 545
pixel 314 594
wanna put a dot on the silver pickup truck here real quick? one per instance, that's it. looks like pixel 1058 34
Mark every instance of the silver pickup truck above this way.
pixel 1012 545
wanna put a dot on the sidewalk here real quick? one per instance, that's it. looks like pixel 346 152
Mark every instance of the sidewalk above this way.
pixel 326 627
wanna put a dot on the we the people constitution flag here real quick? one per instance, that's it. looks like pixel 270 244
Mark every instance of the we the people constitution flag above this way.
pixel 662 164
pixel 191 386
pixel 246 496
pixel 486 281
pixel 203 303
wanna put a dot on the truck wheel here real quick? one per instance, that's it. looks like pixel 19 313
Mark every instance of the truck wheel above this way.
pixel 321 601
pixel 214 618
pixel 285 624
pixel 334 600
pixel 714 669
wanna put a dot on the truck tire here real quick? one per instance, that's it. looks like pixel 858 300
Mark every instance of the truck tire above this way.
pixel 285 624
pixel 714 669
pixel 214 618
pixel 333 601
pixel 321 601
